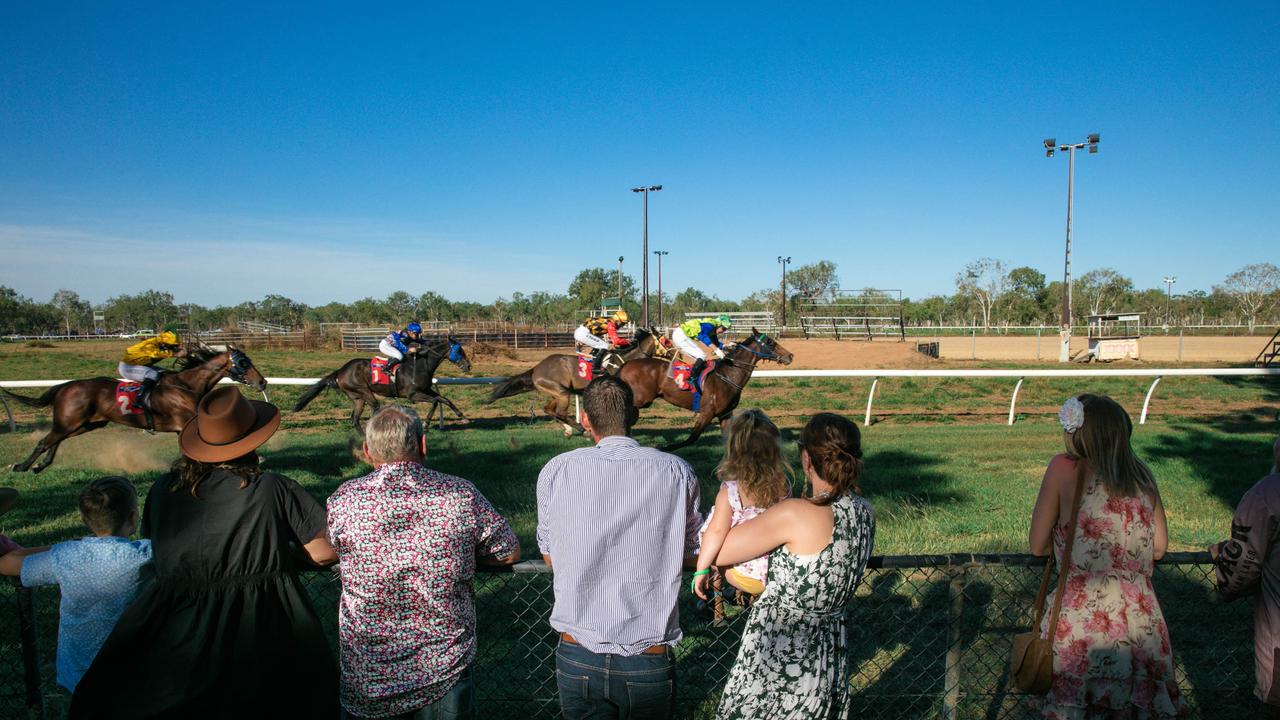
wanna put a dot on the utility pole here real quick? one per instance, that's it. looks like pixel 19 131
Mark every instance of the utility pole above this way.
pixel 784 262
pixel 619 281
pixel 1169 280
pixel 660 253
pixel 1064 323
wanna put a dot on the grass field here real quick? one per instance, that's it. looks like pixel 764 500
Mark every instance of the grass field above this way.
pixel 943 472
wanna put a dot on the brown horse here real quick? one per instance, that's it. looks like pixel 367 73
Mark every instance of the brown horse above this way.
pixel 413 380
pixel 83 405
pixel 557 376
pixel 721 391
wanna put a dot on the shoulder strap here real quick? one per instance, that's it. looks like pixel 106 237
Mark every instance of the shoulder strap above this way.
pixel 1082 472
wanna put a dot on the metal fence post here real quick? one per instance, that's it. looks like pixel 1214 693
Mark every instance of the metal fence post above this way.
pixel 30 653
pixel 951 679
pixel 1179 346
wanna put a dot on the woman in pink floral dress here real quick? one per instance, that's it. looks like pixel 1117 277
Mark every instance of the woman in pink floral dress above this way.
pixel 1112 657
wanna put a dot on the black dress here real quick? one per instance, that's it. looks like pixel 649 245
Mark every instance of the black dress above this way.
pixel 226 630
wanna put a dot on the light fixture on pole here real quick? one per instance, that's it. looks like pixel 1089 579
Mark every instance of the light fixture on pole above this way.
pixel 784 262
pixel 619 281
pixel 1169 280
pixel 660 253
pixel 1064 322
pixel 644 311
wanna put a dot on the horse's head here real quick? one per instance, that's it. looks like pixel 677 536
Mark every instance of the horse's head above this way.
pixel 241 369
pixel 457 355
pixel 766 348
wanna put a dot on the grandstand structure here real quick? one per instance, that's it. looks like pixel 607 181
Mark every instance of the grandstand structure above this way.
pixel 864 314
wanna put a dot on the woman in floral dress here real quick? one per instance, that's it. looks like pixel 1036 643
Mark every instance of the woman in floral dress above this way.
pixel 1112 657
pixel 793 660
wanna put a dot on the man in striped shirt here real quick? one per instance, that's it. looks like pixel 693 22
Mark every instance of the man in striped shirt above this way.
pixel 616 522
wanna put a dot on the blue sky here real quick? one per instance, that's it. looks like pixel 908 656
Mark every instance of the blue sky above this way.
pixel 327 152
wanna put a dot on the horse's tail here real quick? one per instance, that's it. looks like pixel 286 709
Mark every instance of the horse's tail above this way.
pixel 44 400
pixel 513 385
pixel 314 391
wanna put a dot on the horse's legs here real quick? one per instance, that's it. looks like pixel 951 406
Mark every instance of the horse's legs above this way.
pixel 53 449
pixel 37 452
pixel 357 409
pixel 699 424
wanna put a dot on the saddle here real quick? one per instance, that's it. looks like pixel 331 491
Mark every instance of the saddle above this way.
pixel 378 374
pixel 129 397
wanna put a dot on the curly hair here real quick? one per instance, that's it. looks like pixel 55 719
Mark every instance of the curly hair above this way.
pixel 754 458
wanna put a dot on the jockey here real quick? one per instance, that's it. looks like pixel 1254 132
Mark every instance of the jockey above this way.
pixel 699 337
pixel 395 345
pixel 136 364
pixel 601 335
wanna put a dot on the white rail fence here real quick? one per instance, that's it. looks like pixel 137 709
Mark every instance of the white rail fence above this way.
pixel 1155 374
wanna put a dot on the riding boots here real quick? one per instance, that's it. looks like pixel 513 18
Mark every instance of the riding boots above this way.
pixel 597 360
pixel 144 398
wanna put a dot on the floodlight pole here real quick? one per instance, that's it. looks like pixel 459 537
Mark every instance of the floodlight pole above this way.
pixel 1064 322
pixel 784 261
pixel 644 312
pixel 660 253
pixel 619 281
pixel 1169 280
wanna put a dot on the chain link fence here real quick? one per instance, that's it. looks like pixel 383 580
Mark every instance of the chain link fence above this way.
pixel 929 637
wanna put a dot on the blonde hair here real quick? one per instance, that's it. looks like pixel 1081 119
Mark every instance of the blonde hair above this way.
pixel 1103 440
pixel 753 457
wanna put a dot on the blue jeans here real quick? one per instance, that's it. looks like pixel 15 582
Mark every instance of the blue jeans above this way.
pixel 457 704
pixel 602 686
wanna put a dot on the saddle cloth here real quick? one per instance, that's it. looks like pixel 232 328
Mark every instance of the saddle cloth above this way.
pixel 585 369
pixel 127 397
pixel 378 374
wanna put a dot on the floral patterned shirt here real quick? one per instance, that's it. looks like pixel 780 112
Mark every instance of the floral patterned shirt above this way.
pixel 407 538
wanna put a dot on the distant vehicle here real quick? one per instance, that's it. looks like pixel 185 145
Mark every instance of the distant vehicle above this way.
pixel 138 334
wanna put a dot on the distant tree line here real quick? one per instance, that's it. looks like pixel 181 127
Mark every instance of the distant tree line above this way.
pixel 987 294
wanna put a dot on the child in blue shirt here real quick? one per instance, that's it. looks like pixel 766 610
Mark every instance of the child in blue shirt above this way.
pixel 98 575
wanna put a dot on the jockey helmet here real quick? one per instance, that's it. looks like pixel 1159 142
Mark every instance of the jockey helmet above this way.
pixel 168 338
pixel 621 316
pixel 414 327
pixel 725 321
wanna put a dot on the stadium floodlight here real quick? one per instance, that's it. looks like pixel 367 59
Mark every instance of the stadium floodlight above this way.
pixel 1064 323
pixel 644 299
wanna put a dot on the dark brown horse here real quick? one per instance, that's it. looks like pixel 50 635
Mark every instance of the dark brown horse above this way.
pixel 413 380
pixel 721 391
pixel 83 405
pixel 557 376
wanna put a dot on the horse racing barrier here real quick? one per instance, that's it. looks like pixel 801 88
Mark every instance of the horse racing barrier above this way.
pixel 929 637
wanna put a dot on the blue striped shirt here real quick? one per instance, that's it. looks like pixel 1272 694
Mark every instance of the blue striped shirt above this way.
pixel 617 521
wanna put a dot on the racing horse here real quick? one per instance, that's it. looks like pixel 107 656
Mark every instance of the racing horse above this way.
pixel 413 380
pixel 721 390
pixel 83 405
pixel 557 375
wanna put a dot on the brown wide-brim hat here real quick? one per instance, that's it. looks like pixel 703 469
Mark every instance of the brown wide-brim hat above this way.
pixel 8 498
pixel 227 425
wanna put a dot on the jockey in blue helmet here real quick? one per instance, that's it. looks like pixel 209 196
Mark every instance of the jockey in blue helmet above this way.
pixel 396 345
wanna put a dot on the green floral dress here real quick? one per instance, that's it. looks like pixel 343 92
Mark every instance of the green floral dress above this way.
pixel 794 659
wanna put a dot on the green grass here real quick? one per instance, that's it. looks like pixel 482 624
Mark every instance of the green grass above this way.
pixel 936 488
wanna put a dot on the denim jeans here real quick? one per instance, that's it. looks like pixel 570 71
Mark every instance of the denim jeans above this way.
pixel 594 687
pixel 457 704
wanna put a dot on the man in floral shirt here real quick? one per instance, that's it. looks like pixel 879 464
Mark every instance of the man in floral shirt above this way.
pixel 408 539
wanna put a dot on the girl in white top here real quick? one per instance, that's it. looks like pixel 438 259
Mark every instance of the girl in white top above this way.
pixel 754 476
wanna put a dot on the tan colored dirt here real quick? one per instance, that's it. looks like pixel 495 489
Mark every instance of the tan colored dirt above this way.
pixel 1155 349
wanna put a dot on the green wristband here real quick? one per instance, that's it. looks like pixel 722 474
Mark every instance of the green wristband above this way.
pixel 706 571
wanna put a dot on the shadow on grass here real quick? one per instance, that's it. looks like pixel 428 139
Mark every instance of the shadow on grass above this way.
pixel 1229 461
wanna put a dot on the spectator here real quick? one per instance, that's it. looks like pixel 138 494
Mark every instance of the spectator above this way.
pixel 616 522
pixel 1112 656
pixel 1249 562
pixel 792 662
pixel 226 630
pixel 96 575
pixel 408 539
pixel 754 476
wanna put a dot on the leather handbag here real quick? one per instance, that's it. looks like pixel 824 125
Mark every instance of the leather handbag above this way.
pixel 1032 664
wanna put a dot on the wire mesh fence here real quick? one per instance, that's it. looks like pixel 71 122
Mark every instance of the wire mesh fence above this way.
pixel 929 637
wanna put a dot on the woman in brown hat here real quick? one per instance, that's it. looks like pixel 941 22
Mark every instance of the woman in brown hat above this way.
pixel 226 630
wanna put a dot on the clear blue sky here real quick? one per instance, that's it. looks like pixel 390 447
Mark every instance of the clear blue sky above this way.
pixel 324 151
